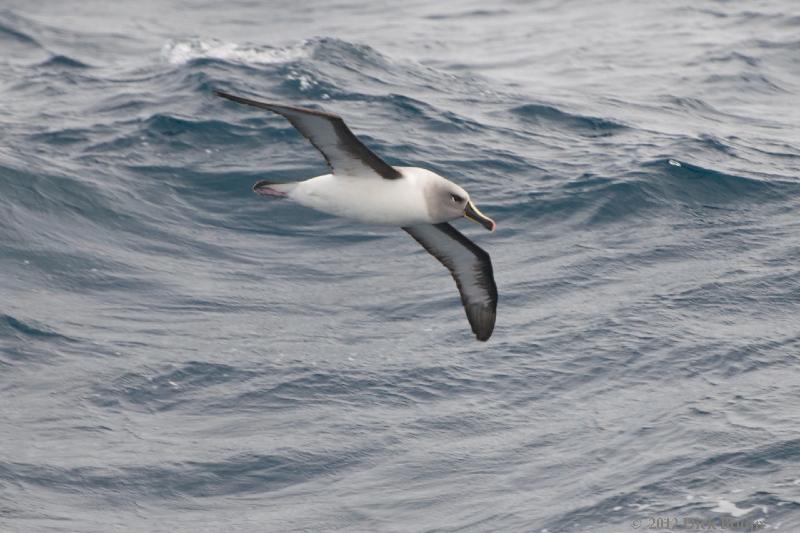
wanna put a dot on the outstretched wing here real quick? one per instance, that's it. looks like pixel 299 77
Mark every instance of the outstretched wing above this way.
pixel 345 154
pixel 470 266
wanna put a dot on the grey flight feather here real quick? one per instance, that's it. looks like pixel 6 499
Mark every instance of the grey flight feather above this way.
pixel 342 150
pixel 471 268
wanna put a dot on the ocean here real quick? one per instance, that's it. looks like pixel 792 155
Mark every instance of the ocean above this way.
pixel 179 354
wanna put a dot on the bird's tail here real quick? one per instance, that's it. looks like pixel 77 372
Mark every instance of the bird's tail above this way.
pixel 271 188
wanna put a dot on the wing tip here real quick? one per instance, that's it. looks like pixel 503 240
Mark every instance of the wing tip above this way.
pixel 246 101
pixel 280 109
pixel 483 335
pixel 223 94
pixel 482 322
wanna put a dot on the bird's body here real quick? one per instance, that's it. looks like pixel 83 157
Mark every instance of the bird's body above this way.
pixel 399 202
pixel 362 187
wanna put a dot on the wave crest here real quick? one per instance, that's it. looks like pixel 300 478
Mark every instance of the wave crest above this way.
pixel 182 52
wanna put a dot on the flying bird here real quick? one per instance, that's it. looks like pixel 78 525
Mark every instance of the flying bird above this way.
pixel 363 187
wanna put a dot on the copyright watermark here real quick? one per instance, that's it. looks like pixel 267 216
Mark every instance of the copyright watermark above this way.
pixel 694 523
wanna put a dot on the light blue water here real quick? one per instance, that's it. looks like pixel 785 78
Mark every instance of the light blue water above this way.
pixel 178 354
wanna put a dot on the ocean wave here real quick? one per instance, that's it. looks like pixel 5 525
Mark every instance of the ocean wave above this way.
pixel 13 326
pixel 181 52
pixel 20 47
pixel 57 193
pixel 756 82
pixel 10 34
pixel 198 385
pixel 660 185
pixel 697 184
pixel 26 340
pixel 322 68
pixel 547 114
pixel 236 475
pixel 62 61
pixel 168 389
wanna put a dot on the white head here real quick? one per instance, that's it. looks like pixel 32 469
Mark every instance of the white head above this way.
pixel 447 201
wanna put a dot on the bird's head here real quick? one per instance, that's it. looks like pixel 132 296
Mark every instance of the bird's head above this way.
pixel 448 201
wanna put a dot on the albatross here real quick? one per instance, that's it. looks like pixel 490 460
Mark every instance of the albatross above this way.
pixel 363 187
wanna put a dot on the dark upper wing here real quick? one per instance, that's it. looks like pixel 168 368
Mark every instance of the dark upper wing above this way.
pixel 329 134
pixel 470 266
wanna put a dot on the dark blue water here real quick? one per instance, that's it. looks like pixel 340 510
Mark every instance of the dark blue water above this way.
pixel 178 354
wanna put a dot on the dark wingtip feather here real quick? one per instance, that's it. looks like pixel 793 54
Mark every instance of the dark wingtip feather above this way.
pixel 481 319
pixel 241 100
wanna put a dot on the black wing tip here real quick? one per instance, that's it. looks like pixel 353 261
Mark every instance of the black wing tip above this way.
pixel 281 109
pixel 239 99
pixel 227 96
pixel 482 321
pixel 483 334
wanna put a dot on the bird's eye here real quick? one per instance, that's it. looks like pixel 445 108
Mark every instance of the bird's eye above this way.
pixel 456 198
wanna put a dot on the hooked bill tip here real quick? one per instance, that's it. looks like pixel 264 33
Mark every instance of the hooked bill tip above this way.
pixel 474 214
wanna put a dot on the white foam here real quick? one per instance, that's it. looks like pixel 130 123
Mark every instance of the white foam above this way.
pixel 724 506
pixel 180 52
pixel 306 82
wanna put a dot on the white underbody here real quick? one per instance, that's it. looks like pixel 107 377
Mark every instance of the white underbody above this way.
pixel 373 200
